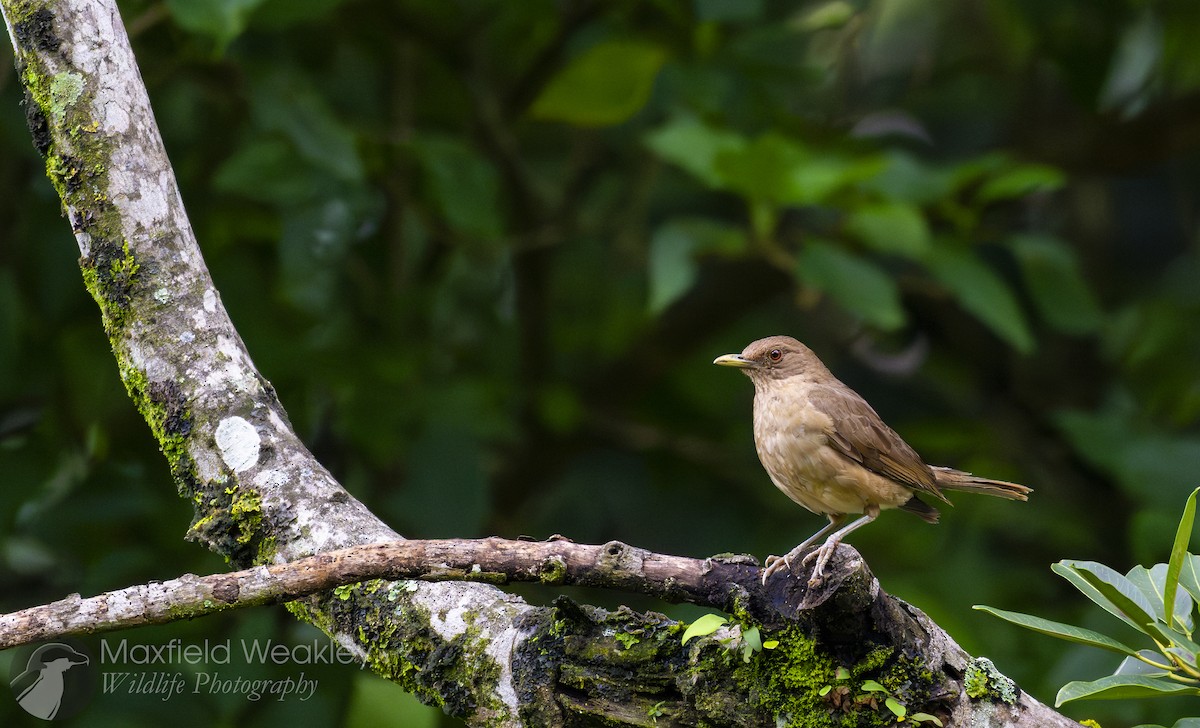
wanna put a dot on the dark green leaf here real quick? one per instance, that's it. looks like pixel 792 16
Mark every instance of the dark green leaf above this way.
pixel 1179 553
pixel 1152 583
pixel 1122 687
pixel 1058 629
pixel 286 103
pixel 1136 666
pixel 1084 586
pixel 672 268
pixel 1108 588
pixel 983 293
pixel 1125 599
pixel 1021 180
pixel 221 20
pixel 462 185
pixel 857 285
pixel 821 174
pixel 695 147
pixel 905 177
pixel 763 169
pixel 1056 284
pixel 604 85
pixel 1189 575
pixel 891 227
pixel 673 250
pixel 268 170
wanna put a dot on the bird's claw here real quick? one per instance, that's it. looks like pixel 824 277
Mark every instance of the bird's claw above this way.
pixel 780 563
pixel 821 555
pixel 774 564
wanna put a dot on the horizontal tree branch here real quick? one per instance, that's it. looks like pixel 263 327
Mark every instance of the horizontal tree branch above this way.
pixel 614 565
pixel 577 664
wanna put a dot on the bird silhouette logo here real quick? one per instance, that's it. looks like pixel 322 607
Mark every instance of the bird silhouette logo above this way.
pixel 53 681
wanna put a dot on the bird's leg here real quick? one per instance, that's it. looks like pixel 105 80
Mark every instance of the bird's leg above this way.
pixel 778 563
pixel 825 552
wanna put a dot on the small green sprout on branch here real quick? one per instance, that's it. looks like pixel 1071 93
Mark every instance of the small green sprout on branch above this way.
pixel 873 694
pixel 1160 602
pixel 747 639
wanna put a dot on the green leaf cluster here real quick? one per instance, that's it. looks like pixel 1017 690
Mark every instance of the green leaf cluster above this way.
pixel 1159 602
pixel 872 216
pixel 873 693
pixel 746 639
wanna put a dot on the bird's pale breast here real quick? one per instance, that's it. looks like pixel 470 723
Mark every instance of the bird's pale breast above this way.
pixel 791 437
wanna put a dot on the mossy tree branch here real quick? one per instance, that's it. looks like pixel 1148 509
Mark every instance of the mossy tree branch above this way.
pixel 261 498
pixel 715 582
pixel 622 667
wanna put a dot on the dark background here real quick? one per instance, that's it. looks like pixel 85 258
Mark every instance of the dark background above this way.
pixel 487 250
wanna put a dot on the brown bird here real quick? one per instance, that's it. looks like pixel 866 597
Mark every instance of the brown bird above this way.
pixel 828 450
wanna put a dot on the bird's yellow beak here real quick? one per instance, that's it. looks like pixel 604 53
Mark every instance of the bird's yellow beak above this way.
pixel 735 360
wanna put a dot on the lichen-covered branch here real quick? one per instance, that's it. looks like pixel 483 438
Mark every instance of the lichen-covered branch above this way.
pixel 614 565
pixel 578 664
pixel 261 498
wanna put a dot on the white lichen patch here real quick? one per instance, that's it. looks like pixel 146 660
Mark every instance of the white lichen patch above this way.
pixel 238 443
pixel 210 300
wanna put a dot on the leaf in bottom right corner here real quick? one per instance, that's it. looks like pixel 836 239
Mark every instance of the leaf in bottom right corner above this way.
pixel 1122 687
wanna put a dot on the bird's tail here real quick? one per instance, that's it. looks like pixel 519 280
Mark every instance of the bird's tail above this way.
pixel 951 479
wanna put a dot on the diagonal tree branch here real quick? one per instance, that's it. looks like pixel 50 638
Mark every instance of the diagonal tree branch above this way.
pixel 261 498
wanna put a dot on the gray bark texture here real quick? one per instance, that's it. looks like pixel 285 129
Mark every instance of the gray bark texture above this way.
pixel 483 655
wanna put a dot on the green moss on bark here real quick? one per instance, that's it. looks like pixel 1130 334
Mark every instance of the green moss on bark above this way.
pixel 983 681
pixel 454 674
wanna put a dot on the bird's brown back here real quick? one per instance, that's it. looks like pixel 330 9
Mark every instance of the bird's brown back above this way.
pixel 862 436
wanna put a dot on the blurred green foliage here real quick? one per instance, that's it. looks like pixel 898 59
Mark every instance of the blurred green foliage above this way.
pixel 486 251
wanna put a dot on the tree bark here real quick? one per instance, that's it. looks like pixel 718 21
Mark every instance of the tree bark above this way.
pixel 261 498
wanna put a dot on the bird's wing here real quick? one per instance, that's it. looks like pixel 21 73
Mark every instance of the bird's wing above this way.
pixel 860 435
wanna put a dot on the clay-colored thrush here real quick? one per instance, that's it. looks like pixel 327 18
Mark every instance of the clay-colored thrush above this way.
pixel 828 450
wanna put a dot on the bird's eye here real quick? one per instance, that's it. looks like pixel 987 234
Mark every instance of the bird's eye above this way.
pixel 775 355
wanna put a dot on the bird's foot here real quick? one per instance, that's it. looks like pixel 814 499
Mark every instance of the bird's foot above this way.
pixel 821 554
pixel 782 563
pixel 774 564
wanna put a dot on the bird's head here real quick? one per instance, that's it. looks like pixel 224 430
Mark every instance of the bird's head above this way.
pixel 775 358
